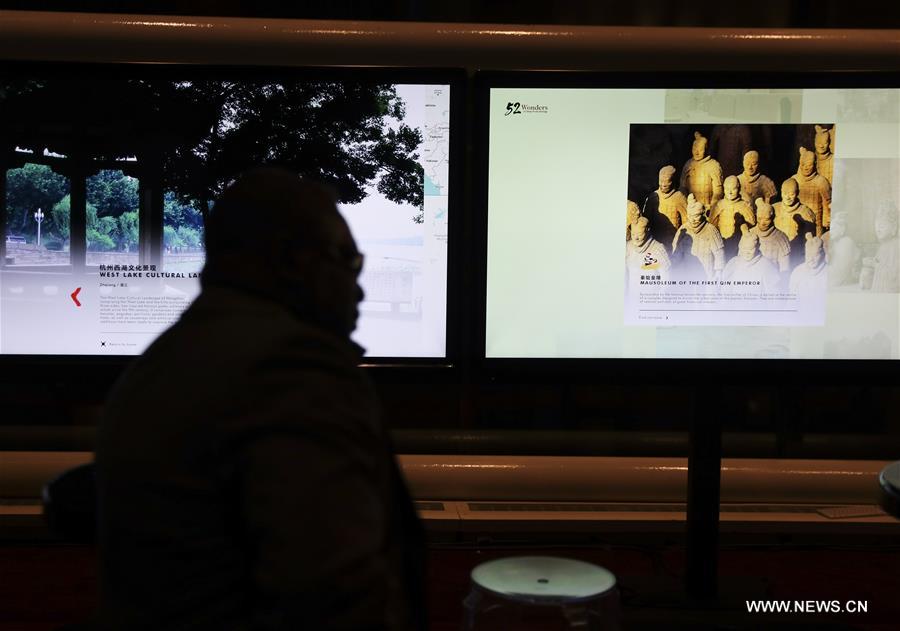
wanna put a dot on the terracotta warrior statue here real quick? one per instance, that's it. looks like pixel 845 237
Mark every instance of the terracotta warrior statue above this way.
pixel 750 265
pixel 885 265
pixel 824 152
pixel 643 253
pixel 809 278
pixel 724 215
pixel 671 208
pixel 706 242
pixel 755 185
pixel 773 243
pixel 729 214
pixel 841 253
pixel 815 191
pixel 701 175
pixel 632 212
pixel 792 217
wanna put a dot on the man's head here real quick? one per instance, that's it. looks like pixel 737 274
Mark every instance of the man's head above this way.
pixel 732 188
pixel 789 191
pixel 751 163
pixel 764 214
pixel 807 162
pixel 277 234
pixel 666 176
pixel 695 213
pixel 639 231
pixel 698 148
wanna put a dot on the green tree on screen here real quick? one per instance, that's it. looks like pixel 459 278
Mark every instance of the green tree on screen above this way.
pixel 348 135
pixel 28 188
pixel 171 240
pixel 112 193
pixel 128 231
pixel 59 218
pixel 195 137
pixel 190 237
pixel 176 213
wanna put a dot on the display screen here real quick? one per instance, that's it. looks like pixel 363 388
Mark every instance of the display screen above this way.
pixel 693 223
pixel 108 176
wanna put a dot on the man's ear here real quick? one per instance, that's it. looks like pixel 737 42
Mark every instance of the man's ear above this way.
pixel 292 263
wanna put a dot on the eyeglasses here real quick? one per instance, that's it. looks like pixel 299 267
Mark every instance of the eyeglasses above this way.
pixel 344 256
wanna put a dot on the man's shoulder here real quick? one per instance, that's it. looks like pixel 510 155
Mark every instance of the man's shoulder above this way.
pixel 244 365
pixel 225 336
pixel 258 322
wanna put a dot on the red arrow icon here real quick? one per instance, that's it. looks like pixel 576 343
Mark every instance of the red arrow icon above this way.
pixel 74 296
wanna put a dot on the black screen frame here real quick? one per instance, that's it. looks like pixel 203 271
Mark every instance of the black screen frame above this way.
pixel 671 371
pixel 105 368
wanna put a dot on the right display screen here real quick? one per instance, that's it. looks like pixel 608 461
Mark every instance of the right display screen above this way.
pixel 693 223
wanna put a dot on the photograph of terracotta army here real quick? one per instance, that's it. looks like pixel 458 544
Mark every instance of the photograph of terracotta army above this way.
pixel 861 242
pixel 763 220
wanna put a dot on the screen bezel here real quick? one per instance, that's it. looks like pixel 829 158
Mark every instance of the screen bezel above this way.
pixel 659 370
pixel 108 366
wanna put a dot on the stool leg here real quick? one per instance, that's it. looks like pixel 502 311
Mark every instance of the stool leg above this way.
pixel 470 608
pixel 578 617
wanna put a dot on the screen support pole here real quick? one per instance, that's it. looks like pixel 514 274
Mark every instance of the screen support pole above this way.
pixel 704 478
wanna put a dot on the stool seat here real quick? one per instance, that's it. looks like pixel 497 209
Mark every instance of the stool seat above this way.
pixel 543 579
pixel 541 592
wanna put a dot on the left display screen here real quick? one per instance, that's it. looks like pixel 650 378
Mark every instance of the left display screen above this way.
pixel 107 179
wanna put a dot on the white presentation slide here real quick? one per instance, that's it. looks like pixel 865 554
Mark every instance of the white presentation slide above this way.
pixel 118 305
pixel 693 223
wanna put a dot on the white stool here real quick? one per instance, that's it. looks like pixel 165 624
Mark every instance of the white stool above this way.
pixel 531 593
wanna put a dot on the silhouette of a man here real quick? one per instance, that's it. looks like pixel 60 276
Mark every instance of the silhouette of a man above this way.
pixel 244 478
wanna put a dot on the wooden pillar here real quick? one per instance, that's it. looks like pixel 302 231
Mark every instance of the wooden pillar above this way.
pixel 3 227
pixel 150 218
pixel 78 174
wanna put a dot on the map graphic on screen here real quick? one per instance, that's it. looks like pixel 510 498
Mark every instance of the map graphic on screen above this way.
pixel 108 181
pixel 758 223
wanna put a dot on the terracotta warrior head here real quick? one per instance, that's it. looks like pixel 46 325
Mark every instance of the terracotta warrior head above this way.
pixel 732 188
pixel 695 213
pixel 698 148
pixel 789 191
pixel 814 252
pixel 640 231
pixel 748 246
pixel 823 141
pixel 807 162
pixel 666 176
pixel 632 212
pixel 751 163
pixel 764 214
pixel 886 221
pixel 838 226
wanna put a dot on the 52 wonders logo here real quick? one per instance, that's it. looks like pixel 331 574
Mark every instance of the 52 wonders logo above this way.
pixel 525 108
